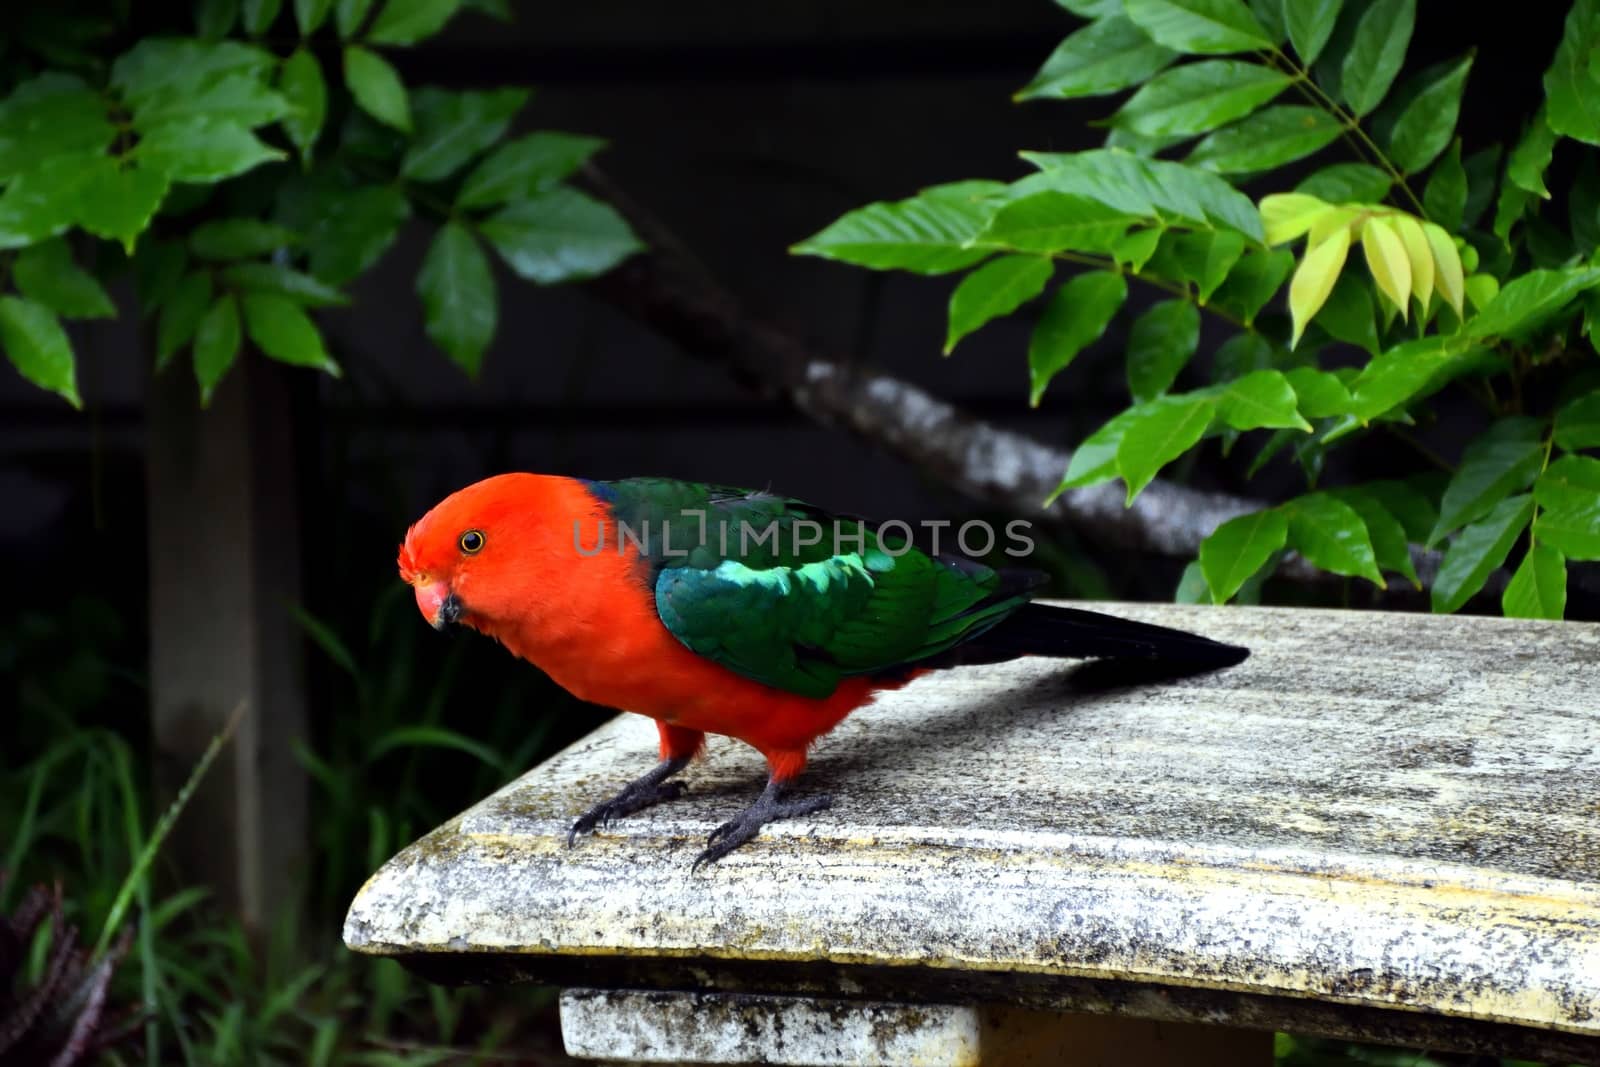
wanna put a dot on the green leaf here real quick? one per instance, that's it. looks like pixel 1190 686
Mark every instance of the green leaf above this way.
pixel 45 273
pixel 1207 258
pixel 1583 205
pixel 202 150
pixel 282 281
pixel 1075 318
pixel 1270 14
pixel 161 72
pixel 452 127
pixel 259 15
pixel 1314 280
pixel 1254 280
pixel 38 347
pixel 216 344
pixel 1390 546
pixel 306 91
pixel 1445 198
pixel 1569 482
pixel 1529 299
pixel 241 238
pixel 376 87
pixel 54 114
pixel 1539 588
pixel 1331 535
pixel 1241 354
pixel 1348 314
pixel 1145 188
pixel 215 18
pixel 1163 430
pixel 1240 547
pixel 1572 85
pixel 1406 502
pixel 181 315
pixel 348 16
pixel 926 234
pixel 526 166
pixel 1406 370
pixel 1161 342
pixel 458 296
pixel 1199 26
pixel 157 266
pixel 1572 531
pixel 1319 394
pixel 1310 24
pixel 42 203
pixel 1198 97
pixel 997 288
pixel 281 329
pixel 405 22
pixel 1262 399
pixel 1106 56
pixel 1054 222
pixel 309 15
pixel 1347 183
pixel 1134 250
pixel 1529 159
pixel 353 229
pixel 1192 586
pixel 1091 9
pixel 117 203
pixel 1266 140
pixel 1095 460
pixel 1503 460
pixel 1425 126
pixel 560 235
pixel 1377 53
pixel 1578 423
pixel 1479 549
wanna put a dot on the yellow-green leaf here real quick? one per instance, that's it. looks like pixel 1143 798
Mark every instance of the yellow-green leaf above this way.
pixel 1285 216
pixel 1386 258
pixel 1447 265
pixel 1313 279
pixel 1420 257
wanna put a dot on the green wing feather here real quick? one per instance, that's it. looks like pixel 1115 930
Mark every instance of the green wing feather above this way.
pixel 764 586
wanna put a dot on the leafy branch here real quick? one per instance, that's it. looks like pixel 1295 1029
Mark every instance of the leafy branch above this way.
pixel 1443 305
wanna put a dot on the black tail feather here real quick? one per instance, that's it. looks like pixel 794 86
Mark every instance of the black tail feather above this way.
pixel 1050 630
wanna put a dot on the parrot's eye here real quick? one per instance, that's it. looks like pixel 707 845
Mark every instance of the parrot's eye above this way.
pixel 472 542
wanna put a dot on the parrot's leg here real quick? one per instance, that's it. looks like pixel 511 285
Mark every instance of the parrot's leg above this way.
pixel 642 792
pixel 769 808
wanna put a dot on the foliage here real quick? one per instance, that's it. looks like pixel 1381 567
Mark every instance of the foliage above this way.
pixel 54 1005
pixel 250 170
pixel 73 792
pixel 1453 300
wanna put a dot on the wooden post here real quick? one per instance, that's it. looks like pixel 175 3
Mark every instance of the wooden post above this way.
pixel 224 568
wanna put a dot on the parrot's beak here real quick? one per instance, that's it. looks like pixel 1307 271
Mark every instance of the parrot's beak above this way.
pixel 438 604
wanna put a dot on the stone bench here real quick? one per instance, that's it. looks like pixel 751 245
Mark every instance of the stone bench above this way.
pixel 1383 827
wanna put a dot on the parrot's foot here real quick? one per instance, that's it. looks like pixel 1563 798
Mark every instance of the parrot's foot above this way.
pixel 742 827
pixel 640 793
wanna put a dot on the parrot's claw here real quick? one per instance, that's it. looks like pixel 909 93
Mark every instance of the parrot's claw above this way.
pixel 652 788
pixel 742 827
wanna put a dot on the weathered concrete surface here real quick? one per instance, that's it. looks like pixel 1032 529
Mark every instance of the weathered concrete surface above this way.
pixel 644 1027
pixel 1397 814
pixel 637 1026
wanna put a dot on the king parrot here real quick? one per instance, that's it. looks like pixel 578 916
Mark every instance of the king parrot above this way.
pixel 727 611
